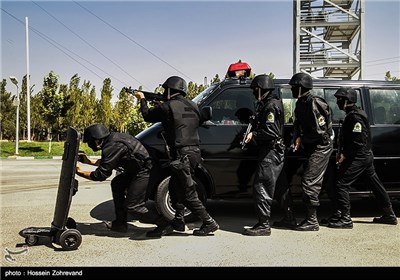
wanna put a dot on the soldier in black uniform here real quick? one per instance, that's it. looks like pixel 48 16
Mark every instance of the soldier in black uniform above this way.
pixel 356 159
pixel 180 118
pixel 123 152
pixel 313 132
pixel 267 133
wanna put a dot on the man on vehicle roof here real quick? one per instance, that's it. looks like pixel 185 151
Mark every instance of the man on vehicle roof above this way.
pixel 238 69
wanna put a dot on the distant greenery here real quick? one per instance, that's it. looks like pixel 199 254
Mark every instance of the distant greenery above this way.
pixel 389 77
pixel 38 149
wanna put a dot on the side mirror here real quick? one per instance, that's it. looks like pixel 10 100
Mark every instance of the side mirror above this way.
pixel 206 113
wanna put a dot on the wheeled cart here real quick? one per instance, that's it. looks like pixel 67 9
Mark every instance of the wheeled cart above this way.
pixel 63 228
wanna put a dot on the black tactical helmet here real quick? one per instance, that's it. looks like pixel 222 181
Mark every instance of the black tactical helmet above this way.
pixel 95 131
pixel 347 93
pixel 262 81
pixel 176 83
pixel 301 79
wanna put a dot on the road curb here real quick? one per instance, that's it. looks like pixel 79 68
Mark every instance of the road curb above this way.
pixel 41 157
pixel 32 158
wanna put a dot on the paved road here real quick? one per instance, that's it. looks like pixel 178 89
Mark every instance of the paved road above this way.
pixel 28 192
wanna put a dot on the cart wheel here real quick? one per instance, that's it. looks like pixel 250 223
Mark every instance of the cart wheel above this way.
pixel 70 239
pixel 70 223
pixel 31 240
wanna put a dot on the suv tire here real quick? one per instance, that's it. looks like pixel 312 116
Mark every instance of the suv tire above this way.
pixel 163 200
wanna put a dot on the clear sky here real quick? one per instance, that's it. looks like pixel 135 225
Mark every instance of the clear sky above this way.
pixel 144 42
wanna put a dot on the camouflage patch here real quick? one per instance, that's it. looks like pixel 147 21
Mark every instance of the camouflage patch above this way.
pixel 270 118
pixel 357 127
pixel 321 121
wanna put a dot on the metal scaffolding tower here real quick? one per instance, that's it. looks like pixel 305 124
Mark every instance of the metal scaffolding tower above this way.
pixel 328 38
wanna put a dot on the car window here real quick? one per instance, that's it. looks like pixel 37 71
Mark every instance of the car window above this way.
pixel 289 103
pixel 204 94
pixel 329 96
pixel 233 106
pixel 385 105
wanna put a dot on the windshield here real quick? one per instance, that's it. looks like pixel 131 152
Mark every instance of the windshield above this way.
pixel 204 94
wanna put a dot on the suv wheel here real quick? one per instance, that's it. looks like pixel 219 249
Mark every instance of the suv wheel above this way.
pixel 163 200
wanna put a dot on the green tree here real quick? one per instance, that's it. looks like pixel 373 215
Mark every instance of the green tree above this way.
pixel 23 107
pixel 67 103
pixel 73 115
pixel 88 113
pixel 105 107
pixel 271 75
pixel 38 123
pixel 56 103
pixel 389 77
pixel 123 110
pixel 7 113
pixel 194 90
pixel 137 123
pixel 216 79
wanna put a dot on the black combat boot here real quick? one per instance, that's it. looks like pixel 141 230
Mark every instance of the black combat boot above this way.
pixel 388 217
pixel 259 229
pixel 178 224
pixel 311 222
pixel 145 216
pixel 343 222
pixel 332 219
pixel 117 226
pixel 120 223
pixel 163 228
pixel 288 221
pixel 207 227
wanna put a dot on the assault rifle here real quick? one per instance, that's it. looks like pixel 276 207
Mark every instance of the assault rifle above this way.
pixel 150 96
pixel 250 126
pixel 248 130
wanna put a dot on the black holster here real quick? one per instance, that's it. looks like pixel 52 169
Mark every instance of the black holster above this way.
pixel 181 169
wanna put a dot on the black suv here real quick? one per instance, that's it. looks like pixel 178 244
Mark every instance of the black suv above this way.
pixel 226 166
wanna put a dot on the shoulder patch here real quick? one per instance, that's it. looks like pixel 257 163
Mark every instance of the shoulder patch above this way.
pixel 357 127
pixel 270 117
pixel 321 121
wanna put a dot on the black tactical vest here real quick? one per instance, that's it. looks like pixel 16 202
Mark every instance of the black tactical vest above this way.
pixel 185 118
pixel 137 156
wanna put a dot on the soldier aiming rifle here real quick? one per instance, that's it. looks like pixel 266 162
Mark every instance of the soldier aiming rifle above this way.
pixel 149 96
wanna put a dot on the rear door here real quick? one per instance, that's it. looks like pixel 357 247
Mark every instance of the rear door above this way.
pixel 385 132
